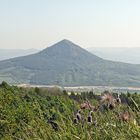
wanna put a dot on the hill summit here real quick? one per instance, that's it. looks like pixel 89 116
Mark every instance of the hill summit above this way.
pixel 67 64
pixel 66 49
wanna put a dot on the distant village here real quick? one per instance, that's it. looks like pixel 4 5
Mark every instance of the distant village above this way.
pixel 79 89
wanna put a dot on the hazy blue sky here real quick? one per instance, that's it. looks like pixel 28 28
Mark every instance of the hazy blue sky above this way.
pixel 90 23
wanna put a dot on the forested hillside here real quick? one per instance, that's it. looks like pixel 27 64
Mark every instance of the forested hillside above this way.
pixel 67 64
pixel 52 114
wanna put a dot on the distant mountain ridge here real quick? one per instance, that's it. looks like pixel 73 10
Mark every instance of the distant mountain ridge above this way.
pixel 67 64
pixel 11 53
pixel 121 54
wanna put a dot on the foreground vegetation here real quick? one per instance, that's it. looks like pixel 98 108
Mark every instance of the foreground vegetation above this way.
pixel 51 114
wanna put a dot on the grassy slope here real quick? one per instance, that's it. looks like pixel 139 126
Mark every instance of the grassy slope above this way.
pixel 24 114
